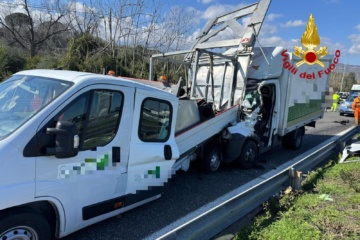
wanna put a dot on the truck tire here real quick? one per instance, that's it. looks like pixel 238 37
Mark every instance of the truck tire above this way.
pixel 293 139
pixel 27 226
pixel 248 155
pixel 211 161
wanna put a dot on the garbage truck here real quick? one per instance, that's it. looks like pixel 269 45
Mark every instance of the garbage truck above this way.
pixel 77 147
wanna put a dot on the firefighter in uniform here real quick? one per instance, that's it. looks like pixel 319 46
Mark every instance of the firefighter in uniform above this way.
pixel 356 107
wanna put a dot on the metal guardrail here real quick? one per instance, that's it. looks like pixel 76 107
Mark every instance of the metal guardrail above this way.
pixel 243 200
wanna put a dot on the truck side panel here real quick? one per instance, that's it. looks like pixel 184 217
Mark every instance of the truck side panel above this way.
pixel 305 96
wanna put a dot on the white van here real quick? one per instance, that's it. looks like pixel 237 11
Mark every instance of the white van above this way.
pixel 355 89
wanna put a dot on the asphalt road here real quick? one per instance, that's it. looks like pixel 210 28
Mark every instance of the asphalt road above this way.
pixel 191 190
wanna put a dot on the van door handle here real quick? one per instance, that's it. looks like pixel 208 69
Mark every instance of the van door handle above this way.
pixel 167 152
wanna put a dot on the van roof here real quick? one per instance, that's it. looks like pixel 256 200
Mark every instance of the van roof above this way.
pixel 93 78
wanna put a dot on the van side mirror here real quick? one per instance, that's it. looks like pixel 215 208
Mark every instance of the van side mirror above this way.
pixel 66 140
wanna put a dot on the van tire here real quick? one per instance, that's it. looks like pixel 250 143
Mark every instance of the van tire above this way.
pixel 211 161
pixel 293 140
pixel 248 155
pixel 27 225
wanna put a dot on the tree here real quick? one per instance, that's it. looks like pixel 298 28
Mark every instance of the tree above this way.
pixel 55 42
pixel 18 20
pixel 335 80
pixel 86 53
pixel 349 80
pixel 93 36
pixel 3 61
pixel 84 18
pixel 31 29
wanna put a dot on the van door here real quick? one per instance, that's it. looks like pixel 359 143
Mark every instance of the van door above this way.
pixel 153 148
pixel 93 182
pixel 268 126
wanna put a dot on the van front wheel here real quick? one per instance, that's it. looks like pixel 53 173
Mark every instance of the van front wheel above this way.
pixel 27 226
pixel 248 155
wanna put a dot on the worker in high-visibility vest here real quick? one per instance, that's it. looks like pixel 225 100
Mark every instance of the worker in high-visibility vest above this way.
pixel 356 107
pixel 336 98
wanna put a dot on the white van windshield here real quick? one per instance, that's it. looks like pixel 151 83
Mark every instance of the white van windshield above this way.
pixel 21 97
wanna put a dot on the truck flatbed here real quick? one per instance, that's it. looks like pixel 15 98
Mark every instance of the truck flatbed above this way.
pixel 194 136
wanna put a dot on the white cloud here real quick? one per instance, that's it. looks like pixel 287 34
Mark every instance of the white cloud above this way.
pixel 194 35
pixel 196 13
pixel 217 10
pixel 355 38
pixel 38 13
pixel 355 47
pixel 82 8
pixel 272 41
pixel 294 23
pixel 358 27
pixel 214 11
pixel 268 29
pixel 332 47
pixel 278 41
pixel 7 7
pixel 272 17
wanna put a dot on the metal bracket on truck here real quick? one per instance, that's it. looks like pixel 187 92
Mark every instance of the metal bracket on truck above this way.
pixel 216 77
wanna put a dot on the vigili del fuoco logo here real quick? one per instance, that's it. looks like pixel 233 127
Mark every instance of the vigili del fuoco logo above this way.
pixel 311 55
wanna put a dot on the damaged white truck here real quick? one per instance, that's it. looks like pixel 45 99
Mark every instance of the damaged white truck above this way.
pixel 77 148
pixel 237 101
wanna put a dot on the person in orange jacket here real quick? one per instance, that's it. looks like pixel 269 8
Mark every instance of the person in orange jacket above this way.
pixel 111 73
pixel 356 107
pixel 163 79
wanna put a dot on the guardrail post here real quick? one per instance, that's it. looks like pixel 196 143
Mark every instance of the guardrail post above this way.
pixel 295 179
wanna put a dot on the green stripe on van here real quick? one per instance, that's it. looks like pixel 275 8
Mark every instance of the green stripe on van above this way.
pixel 299 110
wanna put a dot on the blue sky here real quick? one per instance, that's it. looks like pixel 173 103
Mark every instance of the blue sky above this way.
pixel 337 21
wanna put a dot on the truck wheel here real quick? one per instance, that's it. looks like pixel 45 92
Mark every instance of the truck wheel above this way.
pixel 26 226
pixel 293 140
pixel 248 155
pixel 211 161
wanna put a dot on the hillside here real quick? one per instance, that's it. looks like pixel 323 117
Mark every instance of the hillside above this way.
pixel 349 68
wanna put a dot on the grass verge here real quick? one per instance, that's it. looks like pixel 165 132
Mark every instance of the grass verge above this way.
pixel 327 207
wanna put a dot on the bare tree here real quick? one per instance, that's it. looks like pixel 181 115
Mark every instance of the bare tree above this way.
pixel 149 33
pixel 175 29
pixel 128 31
pixel 30 26
pixel 84 17
pixel 171 35
pixel 137 28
